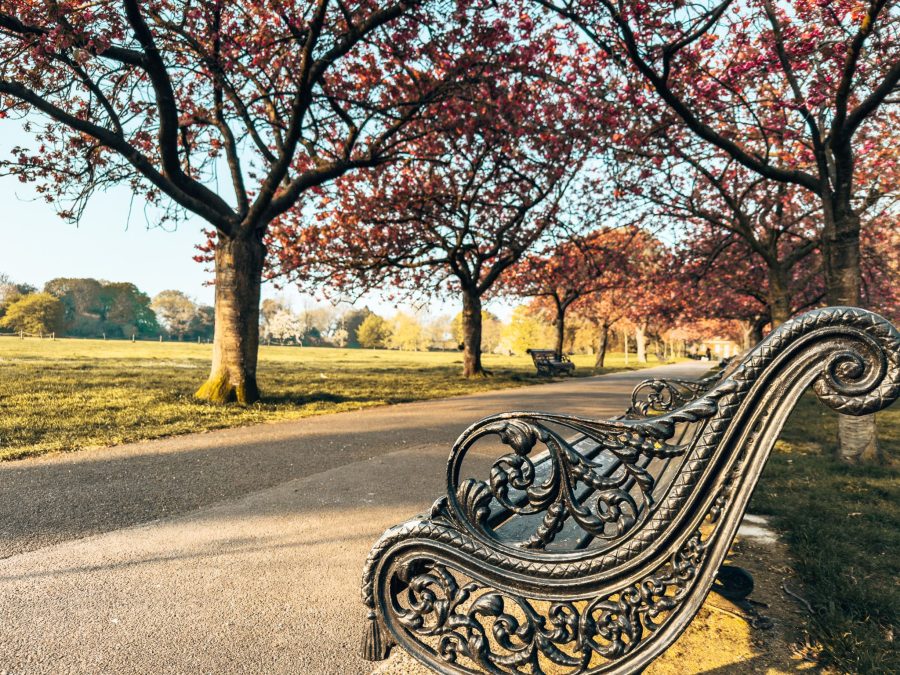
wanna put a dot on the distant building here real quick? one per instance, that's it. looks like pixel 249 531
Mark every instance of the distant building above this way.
pixel 720 348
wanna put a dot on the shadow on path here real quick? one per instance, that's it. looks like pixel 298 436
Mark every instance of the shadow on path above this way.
pixel 52 499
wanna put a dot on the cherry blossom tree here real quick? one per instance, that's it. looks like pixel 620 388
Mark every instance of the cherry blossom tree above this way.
pixel 640 290
pixel 737 221
pixel 603 310
pixel 228 111
pixel 799 93
pixel 572 269
pixel 460 208
pixel 729 280
pixel 175 311
pixel 285 325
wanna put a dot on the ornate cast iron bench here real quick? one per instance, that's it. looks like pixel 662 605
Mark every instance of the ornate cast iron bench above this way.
pixel 548 363
pixel 592 544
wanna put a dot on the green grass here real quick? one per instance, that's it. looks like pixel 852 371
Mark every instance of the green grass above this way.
pixel 842 524
pixel 66 395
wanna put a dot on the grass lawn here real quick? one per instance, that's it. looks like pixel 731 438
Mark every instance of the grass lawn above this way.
pixel 842 524
pixel 68 395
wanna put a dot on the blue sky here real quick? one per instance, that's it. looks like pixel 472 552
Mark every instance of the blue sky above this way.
pixel 36 245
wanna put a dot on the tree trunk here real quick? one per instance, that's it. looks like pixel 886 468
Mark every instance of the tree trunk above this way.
pixel 746 335
pixel 625 342
pixel 841 243
pixel 601 347
pixel 560 329
pixel 756 331
pixel 857 436
pixel 471 320
pixel 640 339
pixel 239 265
pixel 779 297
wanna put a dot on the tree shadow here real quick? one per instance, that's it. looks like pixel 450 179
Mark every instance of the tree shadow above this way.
pixel 313 397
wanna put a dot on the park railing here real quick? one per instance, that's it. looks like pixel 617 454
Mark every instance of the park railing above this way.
pixel 22 335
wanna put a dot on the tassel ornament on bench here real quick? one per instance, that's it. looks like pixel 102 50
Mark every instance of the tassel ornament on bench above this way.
pixel 376 643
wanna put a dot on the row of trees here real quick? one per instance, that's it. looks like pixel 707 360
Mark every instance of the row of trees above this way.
pixel 91 308
pixel 427 145
pixel 574 299
pixel 326 325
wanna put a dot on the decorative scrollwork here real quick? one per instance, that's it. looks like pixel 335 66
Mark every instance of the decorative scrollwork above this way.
pixel 660 396
pixel 473 625
pixel 855 381
pixel 859 373
pixel 604 495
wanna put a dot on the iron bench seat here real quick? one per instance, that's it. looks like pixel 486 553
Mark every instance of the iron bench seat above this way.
pixel 591 544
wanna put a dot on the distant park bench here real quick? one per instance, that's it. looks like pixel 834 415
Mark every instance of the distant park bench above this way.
pixel 549 363
pixel 591 544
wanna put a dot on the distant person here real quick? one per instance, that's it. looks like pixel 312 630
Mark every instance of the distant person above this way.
pixel 708 354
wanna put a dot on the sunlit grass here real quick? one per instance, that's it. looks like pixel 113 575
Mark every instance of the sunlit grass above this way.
pixel 66 395
pixel 842 524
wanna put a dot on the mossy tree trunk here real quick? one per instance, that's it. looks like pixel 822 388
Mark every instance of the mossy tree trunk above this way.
pixel 239 265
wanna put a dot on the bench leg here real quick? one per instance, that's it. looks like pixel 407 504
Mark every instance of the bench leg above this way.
pixel 377 643
pixel 736 584
pixel 733 583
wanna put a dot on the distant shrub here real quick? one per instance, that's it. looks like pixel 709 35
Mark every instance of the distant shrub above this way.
pixel 34 313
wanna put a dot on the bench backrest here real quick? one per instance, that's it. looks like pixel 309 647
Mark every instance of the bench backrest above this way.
pixel 662 477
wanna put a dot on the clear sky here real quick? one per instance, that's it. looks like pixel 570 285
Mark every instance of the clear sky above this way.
pixel 109 243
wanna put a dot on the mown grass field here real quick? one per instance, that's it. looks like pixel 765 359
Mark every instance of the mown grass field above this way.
pixel 64 395
pixel 842 524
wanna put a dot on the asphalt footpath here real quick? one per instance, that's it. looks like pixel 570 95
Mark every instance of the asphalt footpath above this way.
pixel 235 551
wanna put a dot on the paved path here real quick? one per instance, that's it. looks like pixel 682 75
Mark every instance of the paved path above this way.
pixel 231 551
